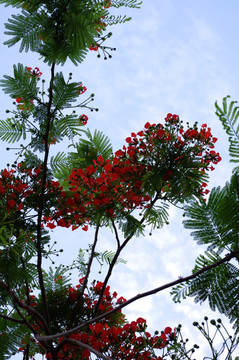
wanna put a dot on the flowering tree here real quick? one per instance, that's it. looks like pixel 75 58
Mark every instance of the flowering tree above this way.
pixel 162 164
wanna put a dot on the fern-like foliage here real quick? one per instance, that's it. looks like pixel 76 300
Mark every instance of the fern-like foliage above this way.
pixel 12 130
pixel 107 257
pixel 219 286
pixel 128 3
pixel 216 224
pixel 129 225
pixel 56 279
pixel 157 215
pixel 21 85
pixel 64 93
pixel 68 126
pixel 229 116
pixel 61 29
pixel 26 28
pixel 11 336
pixel 87 150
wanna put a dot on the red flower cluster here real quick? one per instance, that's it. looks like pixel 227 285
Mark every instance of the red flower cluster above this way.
pixel 159 159
pixel 104 188
pixel 113 336
pixel 13 191
pixel 34 72
pixel 131 341
pixel 20 188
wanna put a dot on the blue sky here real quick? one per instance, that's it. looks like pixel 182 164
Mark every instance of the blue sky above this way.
pixel 173 56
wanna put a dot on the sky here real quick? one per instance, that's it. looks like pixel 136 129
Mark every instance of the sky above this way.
pixel 173 56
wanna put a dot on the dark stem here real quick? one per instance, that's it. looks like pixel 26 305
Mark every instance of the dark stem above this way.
pixel 116 234
pixel 26 353
pixel 82 289
pixel 12 319
pixel 115 258
pixel 41 200
pixel 26 283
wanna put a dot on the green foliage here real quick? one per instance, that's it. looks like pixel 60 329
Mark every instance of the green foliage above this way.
pixel 107 257
pixel 215 224
pixel 58 30
pixel 87 150
pixel 10 337
pixel 129 226
pixel 21 85
pixel 25 28
pixel 12 130
pixel 56 279
pixel 64 93
pixel 157 215
pixel 229 115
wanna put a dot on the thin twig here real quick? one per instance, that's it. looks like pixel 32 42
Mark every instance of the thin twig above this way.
pixel 116 234
pixel 11 319
pixel 78 304
pixel 29 309
pixel 115 258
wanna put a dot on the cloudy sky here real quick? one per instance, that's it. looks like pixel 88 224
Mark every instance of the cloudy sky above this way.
pixel 173 56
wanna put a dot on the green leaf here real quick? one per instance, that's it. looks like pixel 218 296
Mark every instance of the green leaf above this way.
pixel 64 93
pixel 12 130
pixel 26 28
pixel 216 223
pixel 21 85
pixel 87 150
pixel 107 257
pixel 129 225
pixel 229 116
pixel 157 216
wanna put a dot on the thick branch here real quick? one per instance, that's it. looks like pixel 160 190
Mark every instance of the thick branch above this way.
pixel 139 296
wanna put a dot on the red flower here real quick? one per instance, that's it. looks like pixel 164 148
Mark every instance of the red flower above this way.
pixel 11 203
pixel 51 226
pixel 83 119
pixel 81 89
pixel 94 47
pixel 34 73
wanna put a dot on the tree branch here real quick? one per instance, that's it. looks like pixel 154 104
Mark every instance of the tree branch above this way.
pixel 116 234
pixel 24 306
pixel 139 296
pixel 115 258
pixel 78 304
pixel 41 200
pixel 85 346
pixel 12 319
